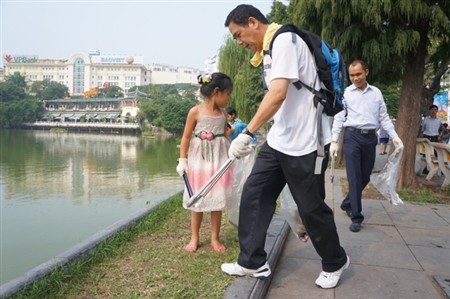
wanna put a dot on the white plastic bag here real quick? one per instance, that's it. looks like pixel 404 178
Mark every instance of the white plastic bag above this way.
pixel 289 210
pixel 386 180
pixel 242 169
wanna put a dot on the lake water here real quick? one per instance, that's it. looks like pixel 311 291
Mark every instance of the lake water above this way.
pixel 57 189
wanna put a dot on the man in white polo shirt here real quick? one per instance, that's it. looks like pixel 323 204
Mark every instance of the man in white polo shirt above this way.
pixel 289 154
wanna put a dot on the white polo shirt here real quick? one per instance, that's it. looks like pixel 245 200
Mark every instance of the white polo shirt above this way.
pixel 294 131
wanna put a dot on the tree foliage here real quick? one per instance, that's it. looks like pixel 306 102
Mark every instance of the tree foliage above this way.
pixel 91 93
pixel 112 91
pixel 49 90
pixel 13 88
pixel 16 106
pixel 168 105
pixel 175 112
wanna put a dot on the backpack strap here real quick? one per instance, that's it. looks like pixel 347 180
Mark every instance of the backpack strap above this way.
pixel 318 96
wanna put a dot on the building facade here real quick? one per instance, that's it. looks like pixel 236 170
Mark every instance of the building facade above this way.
pixel 166 74
pixel 84 71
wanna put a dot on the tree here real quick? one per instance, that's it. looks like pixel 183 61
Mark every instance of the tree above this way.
pixel 13 88
pixel 279 13
pixel 112 91
pixel 91 93
pixel 396 38
pixel 175 112
pixel 49 90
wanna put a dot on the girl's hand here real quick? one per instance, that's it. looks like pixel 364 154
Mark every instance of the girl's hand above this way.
pixel 182 166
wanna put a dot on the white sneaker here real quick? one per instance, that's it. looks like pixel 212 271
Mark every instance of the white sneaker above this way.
pixel 328 280
pixel 234 269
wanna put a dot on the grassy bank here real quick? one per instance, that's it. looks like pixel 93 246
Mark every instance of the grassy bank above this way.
pixel 146 261
pixel 425 194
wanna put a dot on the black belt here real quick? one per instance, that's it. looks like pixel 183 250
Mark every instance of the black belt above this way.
pixel 361 131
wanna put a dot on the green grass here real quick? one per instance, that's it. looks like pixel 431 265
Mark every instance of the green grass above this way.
pixel 423 195
pixel 146 260
pixel 420 196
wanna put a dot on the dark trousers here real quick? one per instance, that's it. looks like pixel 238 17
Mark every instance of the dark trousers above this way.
pixel 271 172
pixel 321 177
pixel 434 138
pixel 359 153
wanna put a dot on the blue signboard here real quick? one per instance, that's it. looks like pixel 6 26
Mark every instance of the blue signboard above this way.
pixel 441 100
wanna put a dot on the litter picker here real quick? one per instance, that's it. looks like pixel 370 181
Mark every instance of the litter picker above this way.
pixel 333 161
pixel 210 183
pixel 188 186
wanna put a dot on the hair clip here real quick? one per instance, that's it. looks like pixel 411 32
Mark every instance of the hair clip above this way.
pixel 206 78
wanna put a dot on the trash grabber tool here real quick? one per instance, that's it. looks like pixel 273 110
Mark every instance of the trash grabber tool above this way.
pixel 333 162
pixel 188 186
pixel 210 183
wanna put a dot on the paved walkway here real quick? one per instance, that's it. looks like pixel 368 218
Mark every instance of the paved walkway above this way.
pixel 401 252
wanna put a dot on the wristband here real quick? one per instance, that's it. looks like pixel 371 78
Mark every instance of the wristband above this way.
pixel 246 131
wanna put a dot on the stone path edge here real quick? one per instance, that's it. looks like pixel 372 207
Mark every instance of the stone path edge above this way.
pixel 251 288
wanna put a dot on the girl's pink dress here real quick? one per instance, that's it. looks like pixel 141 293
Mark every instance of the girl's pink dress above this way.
pixel 208 151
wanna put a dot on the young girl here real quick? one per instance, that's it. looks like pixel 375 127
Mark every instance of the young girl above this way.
pixel 203 150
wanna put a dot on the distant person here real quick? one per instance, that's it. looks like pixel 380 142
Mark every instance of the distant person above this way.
pixel 235 124
pixel 203 150
pixel 384 140
pixel 445 134
pixel 366 111
pixel 431 125
pixel 289 154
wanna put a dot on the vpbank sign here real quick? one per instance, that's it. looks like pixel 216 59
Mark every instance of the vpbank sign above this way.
pixel 19 58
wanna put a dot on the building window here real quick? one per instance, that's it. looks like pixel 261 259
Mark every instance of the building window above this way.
pixel 78 75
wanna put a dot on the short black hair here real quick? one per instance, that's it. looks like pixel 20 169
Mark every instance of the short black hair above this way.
pixel 242 12
pixel 433 106
pixel 231 110
pixel 364 64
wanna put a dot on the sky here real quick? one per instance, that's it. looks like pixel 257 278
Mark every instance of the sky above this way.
pixel 178 33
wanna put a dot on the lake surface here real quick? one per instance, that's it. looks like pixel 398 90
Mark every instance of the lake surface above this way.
pixel 57 189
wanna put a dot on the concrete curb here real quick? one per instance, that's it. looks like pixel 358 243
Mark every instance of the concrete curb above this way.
pixel 72 254
pixel 251 288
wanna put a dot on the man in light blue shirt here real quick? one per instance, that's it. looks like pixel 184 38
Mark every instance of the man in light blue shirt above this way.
pixel 431 125
pixel 365 112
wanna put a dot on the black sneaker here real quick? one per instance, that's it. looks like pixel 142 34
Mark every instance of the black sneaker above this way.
pixel 355 227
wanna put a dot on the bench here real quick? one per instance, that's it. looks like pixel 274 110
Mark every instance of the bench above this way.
pixel 443 157
pixel 426 157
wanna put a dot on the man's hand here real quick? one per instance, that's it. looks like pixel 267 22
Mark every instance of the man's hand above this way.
pixel 182 166
pixel 334 148
pixel 398 145
pixel 241 146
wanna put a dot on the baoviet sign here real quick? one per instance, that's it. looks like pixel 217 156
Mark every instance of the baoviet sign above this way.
pixel 19 58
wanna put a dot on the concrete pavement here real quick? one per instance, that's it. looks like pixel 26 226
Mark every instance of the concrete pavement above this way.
pixel 401 252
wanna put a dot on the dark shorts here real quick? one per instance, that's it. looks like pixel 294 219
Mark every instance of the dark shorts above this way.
pixel 384 140
pixel 431 138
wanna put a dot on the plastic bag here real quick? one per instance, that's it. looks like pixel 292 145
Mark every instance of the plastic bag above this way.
pixel 386 180
pixel 242 169
pixel 289 210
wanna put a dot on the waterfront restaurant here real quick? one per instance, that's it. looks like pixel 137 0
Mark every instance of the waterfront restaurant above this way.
pixel 112 110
